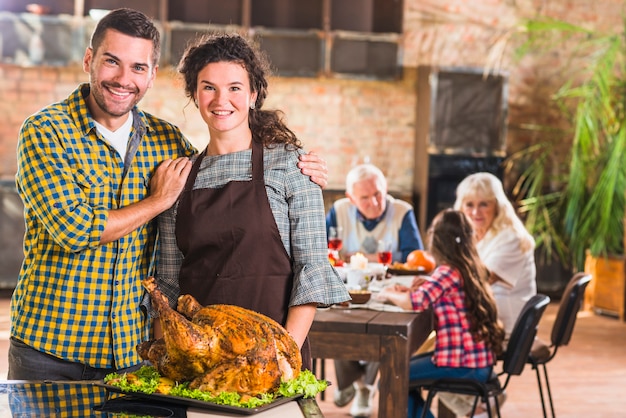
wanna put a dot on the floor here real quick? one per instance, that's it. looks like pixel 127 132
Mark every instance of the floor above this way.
pixel 588 376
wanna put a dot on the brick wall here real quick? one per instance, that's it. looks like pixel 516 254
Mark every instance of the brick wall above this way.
pixel 347 121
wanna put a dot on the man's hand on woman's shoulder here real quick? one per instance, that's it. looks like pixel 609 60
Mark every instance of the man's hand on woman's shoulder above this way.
pixel 314 166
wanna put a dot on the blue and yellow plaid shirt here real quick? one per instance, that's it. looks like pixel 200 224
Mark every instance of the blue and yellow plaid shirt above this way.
pixel 76 299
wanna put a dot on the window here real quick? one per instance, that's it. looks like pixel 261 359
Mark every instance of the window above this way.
pixel 364 57
pixel 287 14
pixel 293 54
pixel 310 38
pixel 374 16
pixel 333 38
pixel 215 12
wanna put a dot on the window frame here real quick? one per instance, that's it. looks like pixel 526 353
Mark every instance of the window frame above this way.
pixel 80 23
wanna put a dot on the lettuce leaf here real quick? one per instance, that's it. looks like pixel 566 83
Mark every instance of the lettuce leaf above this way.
pixel 147 380
pixel 305 384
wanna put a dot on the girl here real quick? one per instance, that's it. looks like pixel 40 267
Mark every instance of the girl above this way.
pixel 469 335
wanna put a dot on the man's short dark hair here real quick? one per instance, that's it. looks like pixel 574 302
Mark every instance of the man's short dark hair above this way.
pixel 129 22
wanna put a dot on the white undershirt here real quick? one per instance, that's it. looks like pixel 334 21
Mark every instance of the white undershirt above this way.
pixel 118 138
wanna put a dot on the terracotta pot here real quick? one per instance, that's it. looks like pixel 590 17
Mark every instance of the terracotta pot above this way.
pixel 606 293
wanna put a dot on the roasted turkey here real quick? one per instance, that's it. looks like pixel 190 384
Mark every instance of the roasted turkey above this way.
pixel 220 347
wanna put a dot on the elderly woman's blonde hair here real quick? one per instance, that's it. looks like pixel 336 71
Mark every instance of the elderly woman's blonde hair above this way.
pixel 487 186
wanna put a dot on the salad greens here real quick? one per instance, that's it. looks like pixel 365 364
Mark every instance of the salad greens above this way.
pixel 147 380
pixel 305 384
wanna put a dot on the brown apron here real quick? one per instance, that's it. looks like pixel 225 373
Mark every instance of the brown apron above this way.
pixel 233 253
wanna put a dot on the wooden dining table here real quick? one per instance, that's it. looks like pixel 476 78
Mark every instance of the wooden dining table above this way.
pixel 387 337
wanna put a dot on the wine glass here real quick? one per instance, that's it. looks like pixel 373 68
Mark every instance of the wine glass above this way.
pixel 384 253
pixel 335 243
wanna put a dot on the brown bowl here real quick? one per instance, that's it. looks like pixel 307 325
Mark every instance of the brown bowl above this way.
pixel 360 296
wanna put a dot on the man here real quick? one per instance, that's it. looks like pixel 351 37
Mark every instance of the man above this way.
pixel 93 172
pixel 366 216
pixel 369 215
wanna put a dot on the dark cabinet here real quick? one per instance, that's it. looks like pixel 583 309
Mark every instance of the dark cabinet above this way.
pixel 461 129
pixel 465 110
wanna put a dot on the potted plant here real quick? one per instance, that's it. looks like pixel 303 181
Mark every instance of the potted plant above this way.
pixel 575 205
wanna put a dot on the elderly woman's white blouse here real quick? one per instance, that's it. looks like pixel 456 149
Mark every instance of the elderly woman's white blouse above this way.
pixel 502 255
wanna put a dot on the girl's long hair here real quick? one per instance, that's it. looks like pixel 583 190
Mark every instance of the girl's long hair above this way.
pixel 451 242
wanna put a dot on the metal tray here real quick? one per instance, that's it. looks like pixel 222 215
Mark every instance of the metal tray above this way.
pixel 200 404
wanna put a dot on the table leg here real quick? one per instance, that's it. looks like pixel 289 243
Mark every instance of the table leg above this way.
pixel 394 376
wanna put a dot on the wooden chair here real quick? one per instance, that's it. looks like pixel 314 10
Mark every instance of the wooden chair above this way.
pixel 514 360
pixel 561 333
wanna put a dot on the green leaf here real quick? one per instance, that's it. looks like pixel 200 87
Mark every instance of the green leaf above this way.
pixel 579 206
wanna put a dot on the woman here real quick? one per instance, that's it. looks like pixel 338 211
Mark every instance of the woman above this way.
pixel 503 243
pixel 249 228
pixel 507 250
pixel 469 335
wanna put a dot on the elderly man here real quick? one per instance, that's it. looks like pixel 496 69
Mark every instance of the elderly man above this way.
pixel 367 216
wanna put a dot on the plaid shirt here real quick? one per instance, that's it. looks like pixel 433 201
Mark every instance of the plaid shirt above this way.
pixel 76 299
pixel 455 346
pixel 298 209
pixel 56 399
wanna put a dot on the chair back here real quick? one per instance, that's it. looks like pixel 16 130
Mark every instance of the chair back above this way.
pixel 568 308
pixel 523 335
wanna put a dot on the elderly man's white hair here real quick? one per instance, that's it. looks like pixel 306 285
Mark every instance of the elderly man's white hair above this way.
pixel 363 172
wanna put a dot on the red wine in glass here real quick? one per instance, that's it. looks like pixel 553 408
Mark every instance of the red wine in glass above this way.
pixel 335 244
pixel 384 257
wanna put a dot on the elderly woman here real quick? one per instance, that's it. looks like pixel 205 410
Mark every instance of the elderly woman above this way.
pixel 503 243
pixel 507 250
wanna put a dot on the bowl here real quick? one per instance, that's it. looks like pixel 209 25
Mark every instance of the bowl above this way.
pixel 360 296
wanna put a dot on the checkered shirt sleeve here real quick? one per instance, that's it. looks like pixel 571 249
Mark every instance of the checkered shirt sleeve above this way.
pixel 455 345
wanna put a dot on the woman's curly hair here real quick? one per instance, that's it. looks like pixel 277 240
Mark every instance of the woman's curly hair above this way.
pixel 268 126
